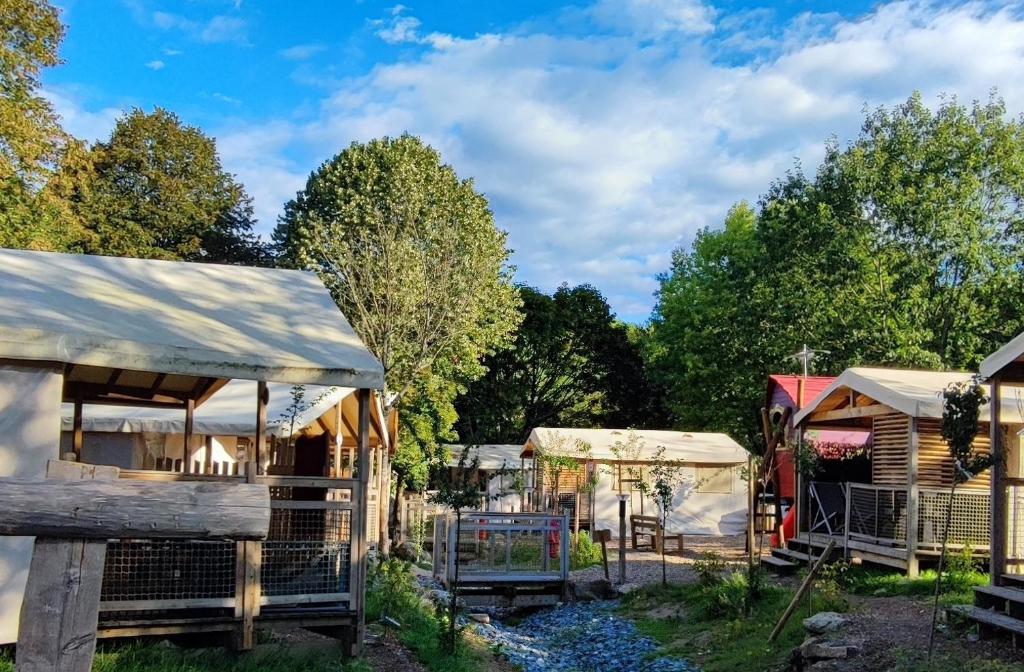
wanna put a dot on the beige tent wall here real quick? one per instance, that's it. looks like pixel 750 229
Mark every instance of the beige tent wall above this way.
pixel 134 450
pixel 693 512
pixel 29 436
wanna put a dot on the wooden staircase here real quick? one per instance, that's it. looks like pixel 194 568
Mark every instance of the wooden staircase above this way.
pixel 999 609
pixel 797 553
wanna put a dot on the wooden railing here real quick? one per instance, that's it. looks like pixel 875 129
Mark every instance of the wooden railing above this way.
pixel 501 548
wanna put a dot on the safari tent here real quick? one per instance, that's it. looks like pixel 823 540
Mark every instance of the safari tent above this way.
pixel 886 502
pixel 711 498
pixel 101 331
pixel 303 423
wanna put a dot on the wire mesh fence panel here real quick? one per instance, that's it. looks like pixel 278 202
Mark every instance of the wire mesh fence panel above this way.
pixel 519 545
pixel 878 514
pixel 1015 529
pixel 307 552
pixel 968 524
pixel 168 570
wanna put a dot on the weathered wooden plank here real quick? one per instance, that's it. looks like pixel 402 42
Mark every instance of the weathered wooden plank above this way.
pixel 133 509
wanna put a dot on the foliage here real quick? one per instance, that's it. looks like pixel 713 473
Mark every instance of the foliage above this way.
pixel 139 657
pixel 571 365
pixel 903 249
pixel 32 144
pixel 961 408
pixel 583 552
pixel 832 580
pixel 712 637
pixel 391 590
pixel 664 477
pixel 156 189
pixel 909 663
pixel 709 568
pixel 882 583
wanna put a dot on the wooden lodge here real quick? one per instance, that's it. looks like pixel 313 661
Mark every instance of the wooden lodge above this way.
pixel 885 502
pixel 98 331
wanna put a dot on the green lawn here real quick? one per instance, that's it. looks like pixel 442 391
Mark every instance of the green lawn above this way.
pixel 958 588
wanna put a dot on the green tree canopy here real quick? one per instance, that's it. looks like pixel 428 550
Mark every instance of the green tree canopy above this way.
pixel 572 365
pixel 413 258
pixel 904 249
pixel 32 142
pixel 157 189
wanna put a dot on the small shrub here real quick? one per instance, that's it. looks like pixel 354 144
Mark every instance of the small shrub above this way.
pixel 583 552
pixel 709 567
pixel 391 590
pixel 960 569
pixel 831 581
pixel 729 597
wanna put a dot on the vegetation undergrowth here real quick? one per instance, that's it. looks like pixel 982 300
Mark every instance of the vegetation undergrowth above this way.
pixel 139 657
pixel 712 630
pixel 909 663
pixel 960 577
pixel 392 593
pixel 583 552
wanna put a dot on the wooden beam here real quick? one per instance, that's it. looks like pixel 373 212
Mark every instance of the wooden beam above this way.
pixel 77 436
pixel 208 455
pixel 133 509
pixel 114 375
pixel 260 444
pixel 359 530
pixel 997 485
pixel 849 413
pixel 190 419
pixel 913 498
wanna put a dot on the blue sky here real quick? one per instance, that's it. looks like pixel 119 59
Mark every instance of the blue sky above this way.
pixel 604 133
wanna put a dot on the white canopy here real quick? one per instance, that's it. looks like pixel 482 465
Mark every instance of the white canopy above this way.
pixel 192 319
pixel 229 412
pixel 1003 357
pixel 492 456
pixel 914 393
pixel 695 447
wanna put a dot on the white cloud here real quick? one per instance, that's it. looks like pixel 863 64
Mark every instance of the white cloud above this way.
pixel 603 148
pixel 156 65
pixel 77 120
pixel 302 52
pixel 217 29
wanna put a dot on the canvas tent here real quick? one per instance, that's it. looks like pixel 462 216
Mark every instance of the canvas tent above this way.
pixel 89 330
pixel 498 467
pixel 895 506
pixel 711 498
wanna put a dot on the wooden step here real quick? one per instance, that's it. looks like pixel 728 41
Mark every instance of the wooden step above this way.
pixel 989 596
pixel 798 557
pixel 778 565
pixel 1013 580
pixel 993 619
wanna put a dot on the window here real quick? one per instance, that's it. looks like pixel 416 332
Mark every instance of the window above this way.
pixel 714 478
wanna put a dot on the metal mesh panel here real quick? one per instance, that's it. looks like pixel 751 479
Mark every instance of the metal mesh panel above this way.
pixel 532 547
pixel 969 523
pixel 307 552
pixel 879 514
pixel 165 570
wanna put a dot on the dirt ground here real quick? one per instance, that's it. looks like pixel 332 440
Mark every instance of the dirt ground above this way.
pixel 385 654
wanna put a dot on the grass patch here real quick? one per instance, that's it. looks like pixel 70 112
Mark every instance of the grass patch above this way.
pixel 909 663
pixel 958 588
pixel 139 657
pixel 717 641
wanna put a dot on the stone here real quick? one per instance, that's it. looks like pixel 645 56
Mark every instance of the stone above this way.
pixel 816 649
pixel 591 590
pixel 702 640
pixel 406 551
pixel 627 588
pixel 481 618
pixel 824 621
pixel 665 612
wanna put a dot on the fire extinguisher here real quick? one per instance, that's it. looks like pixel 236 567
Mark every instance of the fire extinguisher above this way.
pixel 482 534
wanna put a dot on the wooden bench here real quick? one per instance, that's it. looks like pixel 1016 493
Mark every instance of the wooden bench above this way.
pixel 650 526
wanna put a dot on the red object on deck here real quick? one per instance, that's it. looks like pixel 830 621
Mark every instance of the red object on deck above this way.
pixel 788 524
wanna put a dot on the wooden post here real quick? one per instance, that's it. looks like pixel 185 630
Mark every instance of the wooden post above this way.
pixel 750 510
pixel 913 499
pixel 57 630
pixel 77 437
pixel 338 441
pixel 604 536
pixel 359 532
pixel 260 443
pixel 186 451
pixel 846 523
pixel 384 499
pixel 208 455
pixel 622 540
pixel 998 532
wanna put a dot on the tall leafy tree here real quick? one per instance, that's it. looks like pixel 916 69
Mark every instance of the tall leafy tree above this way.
pixel 571 365
pixel 413 258
pixel 904 249
pixel 157 189
pixel 32 142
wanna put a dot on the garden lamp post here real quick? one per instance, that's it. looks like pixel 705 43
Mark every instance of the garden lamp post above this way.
pixel 622 537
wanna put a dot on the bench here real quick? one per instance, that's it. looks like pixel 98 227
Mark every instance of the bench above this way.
pixel 650 527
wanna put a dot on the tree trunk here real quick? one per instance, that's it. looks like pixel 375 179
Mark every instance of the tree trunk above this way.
pixel 938 571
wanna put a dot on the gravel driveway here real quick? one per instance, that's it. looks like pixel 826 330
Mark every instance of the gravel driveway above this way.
pixel 644 566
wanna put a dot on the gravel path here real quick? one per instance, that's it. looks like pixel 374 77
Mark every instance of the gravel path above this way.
pixel 644 566
pixel 584 637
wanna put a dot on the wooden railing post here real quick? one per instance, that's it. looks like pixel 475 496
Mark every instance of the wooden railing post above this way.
pixel 913 500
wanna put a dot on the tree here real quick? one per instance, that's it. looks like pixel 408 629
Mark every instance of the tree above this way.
pixel 571 365
pixel 411 254
pixel 663 479
pixel 903 249
pixel 156 189
pixel 32 143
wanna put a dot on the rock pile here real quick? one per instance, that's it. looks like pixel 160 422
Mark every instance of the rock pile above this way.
pixel 586 637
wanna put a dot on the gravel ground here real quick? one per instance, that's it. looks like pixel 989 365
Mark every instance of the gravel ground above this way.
pixel 584 637
pixel 644 566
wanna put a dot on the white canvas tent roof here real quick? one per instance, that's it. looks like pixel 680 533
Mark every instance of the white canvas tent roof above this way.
pixel 229 412
pixel 190 319
pixel 492 456
pixel 914 393
pixel 695 447
pixel 1008 354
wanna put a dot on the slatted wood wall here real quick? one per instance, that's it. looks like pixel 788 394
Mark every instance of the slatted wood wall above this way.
pixel 889 449
pixel 935 466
